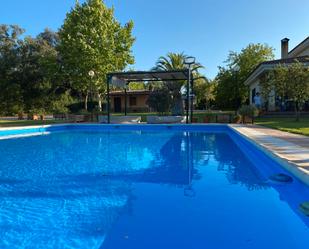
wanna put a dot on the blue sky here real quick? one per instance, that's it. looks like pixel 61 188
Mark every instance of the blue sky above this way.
pixel 207 29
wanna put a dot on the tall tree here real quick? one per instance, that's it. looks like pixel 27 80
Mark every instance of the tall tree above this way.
pixel 231 90
pixel 160 100
pixel 11 100
pixel 91 39
pixel 38 71
pixel 175 61
pixel 227 91
pixel 29 72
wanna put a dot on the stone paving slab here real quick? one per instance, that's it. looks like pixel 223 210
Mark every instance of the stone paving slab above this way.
pixel 300 140
pixel 291 150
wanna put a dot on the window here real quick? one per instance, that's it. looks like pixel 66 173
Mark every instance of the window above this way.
pixel 132 101
pixel 253 93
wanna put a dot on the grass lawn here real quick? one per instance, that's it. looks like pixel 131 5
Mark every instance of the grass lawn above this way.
pixel 14 123
pixel 286 124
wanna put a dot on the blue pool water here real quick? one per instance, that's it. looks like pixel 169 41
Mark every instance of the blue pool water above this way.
pixel 134 188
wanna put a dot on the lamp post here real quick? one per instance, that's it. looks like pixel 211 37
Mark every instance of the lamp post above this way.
pixel 236 71
pixel 189 61
pixel 109 80
pixel 91 74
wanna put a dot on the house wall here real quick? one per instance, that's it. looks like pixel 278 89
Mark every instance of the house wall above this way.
pixel 253 81
pixel 256 86
pixel 271 99
pixel 141 101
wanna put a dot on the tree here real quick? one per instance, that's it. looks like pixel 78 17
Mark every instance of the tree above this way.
pixel 91 39
pixel 38 70
pixel 204 93
pixel 137 86
pixel 29 72
pixel 39 75
pixel 226 91
pixel 11 100
pixel 175 61
pixel 289 81
pixel 160 100
pixel 231 91
pixel 57 95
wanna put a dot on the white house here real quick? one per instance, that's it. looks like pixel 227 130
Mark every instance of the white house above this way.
pixel 299 53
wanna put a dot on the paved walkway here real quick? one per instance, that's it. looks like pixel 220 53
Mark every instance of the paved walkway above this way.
pixel 290 149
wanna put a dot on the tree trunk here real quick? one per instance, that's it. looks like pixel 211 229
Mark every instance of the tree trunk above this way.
pixel 297 112
pixel 99 101
pixel 177 104
pixel 86 101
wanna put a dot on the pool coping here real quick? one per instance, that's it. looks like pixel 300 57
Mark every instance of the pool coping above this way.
pixel 296 169
pixel 275 148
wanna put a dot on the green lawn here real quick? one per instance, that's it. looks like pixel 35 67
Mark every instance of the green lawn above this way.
pixel 13 123
pixel 286 124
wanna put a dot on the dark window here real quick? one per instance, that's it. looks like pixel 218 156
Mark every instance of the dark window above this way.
pixel 132 101
pixel 253 93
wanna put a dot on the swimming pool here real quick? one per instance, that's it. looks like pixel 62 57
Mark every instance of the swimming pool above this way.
pixel 134 187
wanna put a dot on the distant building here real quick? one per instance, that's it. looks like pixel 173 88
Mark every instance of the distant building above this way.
pixel 136 101
pixel 273 103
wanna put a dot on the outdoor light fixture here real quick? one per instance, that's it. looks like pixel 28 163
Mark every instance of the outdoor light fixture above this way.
pixel 190 60
pixel 91 73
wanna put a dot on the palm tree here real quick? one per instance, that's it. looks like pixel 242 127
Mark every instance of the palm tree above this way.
pixel 175 61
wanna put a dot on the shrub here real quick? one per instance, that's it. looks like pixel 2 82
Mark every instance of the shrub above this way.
pixel 61 103
pixel 237 118
pixel 83 112
pixel 248 111
pixel 80 106
pixel 160 100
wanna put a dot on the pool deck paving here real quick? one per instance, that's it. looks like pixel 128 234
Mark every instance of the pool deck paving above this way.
pixel 291 150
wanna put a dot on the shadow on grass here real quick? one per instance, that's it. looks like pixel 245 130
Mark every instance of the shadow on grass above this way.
pixel 286 124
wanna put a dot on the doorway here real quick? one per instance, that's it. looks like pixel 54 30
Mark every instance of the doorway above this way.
pixel 117 104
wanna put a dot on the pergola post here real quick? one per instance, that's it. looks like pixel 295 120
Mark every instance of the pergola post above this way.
pixel 188 95
pixel 192 99
pixel 125 101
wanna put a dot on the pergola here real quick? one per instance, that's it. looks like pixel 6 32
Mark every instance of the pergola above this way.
pixel 122 79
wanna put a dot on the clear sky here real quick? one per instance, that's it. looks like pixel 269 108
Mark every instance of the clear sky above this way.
pixel 206 29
